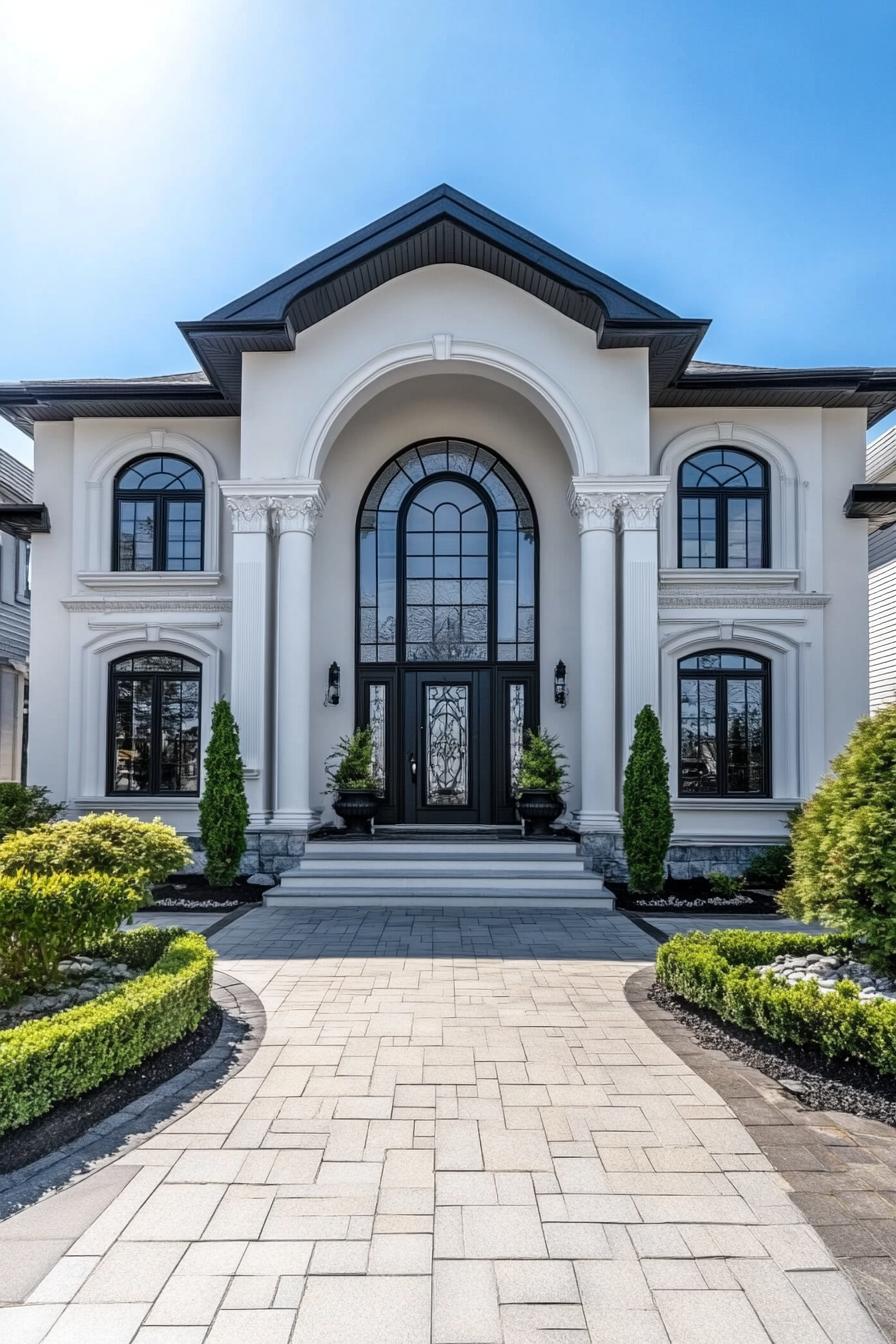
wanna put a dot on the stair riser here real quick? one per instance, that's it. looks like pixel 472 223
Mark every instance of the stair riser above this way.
pixel 384 849
pixel 439 868
pixel 601 903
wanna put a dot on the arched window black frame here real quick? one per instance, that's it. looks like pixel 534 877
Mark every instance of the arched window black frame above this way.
pixel 159 515
pixel 724 725
pixel 154 725
pixel 723 510
pixel 510 568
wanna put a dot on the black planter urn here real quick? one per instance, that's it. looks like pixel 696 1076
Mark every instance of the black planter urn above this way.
pixel 357 808
pixel 538 808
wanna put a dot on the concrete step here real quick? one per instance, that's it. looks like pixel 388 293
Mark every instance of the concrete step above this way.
pixel 295 880
pixel 380 850
pixel 461 865
pixel 425 898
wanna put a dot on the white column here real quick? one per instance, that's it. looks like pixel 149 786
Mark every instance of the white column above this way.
pixel 296 516
pixel 250 636
pixel 638 507
pixel 595 509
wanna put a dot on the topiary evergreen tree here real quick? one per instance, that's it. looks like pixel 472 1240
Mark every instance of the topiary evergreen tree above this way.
pixel 223 810
pixel 350 766
pixel 542 764
pixel 646 808
pixel 844 841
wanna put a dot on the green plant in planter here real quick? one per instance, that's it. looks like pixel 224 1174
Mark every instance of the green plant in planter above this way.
pixel 844 842
pixel 646 807
pixel 350 766
pixel 223 809
pixel 724 884
pixel 542 765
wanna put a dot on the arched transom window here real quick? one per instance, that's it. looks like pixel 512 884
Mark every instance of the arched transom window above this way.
pixel 723 501
pixel 158 515
pixel 154 702
pixel 446 560
pixel 723 725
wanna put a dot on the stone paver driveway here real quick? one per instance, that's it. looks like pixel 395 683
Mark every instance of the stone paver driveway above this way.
pixel 456 1132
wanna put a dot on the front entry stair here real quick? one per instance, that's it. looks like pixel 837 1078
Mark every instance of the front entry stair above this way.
pixel 442 872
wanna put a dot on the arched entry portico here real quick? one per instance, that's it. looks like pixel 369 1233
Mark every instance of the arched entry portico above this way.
pixel 447 631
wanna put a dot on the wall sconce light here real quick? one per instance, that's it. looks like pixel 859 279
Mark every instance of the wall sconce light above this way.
pixel 560 684
pixel 332 695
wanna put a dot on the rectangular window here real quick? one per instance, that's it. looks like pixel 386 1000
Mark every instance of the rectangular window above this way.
pixel 136 534
pixel 723 733
pixel 132 720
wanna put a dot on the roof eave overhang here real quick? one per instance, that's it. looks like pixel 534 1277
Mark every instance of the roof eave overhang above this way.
pixel 26 404
pixel 23 520
pixel 874 501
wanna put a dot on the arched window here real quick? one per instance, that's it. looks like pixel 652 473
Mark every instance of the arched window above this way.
pixel 723 510
pixel 158 515
pixel 723 725
pixel 154 701
pixel 446 559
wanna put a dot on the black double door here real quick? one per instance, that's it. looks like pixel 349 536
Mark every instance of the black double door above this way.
pixel 449 740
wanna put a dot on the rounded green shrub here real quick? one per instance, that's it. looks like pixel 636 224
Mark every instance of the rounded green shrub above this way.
pixel 101 842
pixel 47 916
pixel 58 1058
pixel 646 807
pixel 770 868
pixel 223 810
pixel 844 842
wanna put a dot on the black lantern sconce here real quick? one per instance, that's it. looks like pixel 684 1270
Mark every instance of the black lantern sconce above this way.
pixel 332 695
pixel 560 684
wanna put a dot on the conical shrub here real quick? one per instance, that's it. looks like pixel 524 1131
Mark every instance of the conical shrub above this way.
pixel 223 810
pixel 646 808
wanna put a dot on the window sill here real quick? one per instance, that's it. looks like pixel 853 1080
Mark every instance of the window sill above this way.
pixel 786 579
pixel 156 578
pixel 129 802
pixel 713 800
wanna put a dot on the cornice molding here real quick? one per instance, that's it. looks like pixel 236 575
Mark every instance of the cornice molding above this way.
pixel 746 599
pixel 154 580
pixel 248 513
pixel 299 512
pixel 112 605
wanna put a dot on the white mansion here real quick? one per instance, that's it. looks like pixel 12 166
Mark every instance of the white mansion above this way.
pixel 445 479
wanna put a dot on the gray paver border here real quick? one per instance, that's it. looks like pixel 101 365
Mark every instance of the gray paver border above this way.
pixel 813 1150
pixel 242 1030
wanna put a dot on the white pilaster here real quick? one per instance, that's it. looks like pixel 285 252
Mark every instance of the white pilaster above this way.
pixel 639 504
pixel 594 507
pixel 296 516
pixel 249 680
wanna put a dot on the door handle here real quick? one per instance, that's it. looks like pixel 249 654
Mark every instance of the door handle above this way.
pixel 412 760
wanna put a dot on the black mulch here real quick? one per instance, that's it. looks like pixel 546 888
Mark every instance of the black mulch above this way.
pixel 194 894
pixel 820 1085
pixel 71 1119
pixel 694 898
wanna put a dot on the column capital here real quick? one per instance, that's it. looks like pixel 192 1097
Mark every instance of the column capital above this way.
pixel 640 501
pixel 248 513
pixel 593 505
pixel 300 509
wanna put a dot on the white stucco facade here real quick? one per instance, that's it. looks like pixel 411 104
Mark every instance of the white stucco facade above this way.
pixel 450 351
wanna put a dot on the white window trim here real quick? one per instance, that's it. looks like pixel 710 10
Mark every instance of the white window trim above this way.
pixel 785 498
pixel 93 541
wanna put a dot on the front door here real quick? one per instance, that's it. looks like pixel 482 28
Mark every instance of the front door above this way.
pixel 446 753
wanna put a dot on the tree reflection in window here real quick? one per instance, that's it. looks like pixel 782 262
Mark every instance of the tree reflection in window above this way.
pixel 154 724
pixel 723 725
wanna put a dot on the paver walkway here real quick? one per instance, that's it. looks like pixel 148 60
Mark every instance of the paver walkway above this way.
pixel 456 1132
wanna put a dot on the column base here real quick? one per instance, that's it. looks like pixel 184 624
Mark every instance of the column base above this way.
pixel 284 820
pixel 596 821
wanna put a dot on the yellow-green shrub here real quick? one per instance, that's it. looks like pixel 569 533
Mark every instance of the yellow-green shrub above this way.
pixel 103 842
pixel 45 917
pixel 715 971
pixel 58 1058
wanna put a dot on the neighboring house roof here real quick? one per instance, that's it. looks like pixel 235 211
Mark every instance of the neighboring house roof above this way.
pixel 880 456
pixel 444 226
pixel 16 480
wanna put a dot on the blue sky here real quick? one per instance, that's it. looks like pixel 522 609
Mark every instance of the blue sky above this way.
pixel 730 161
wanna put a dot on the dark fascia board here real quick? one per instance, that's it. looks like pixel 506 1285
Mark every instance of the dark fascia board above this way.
pixel 860 379
pixel 872 500
pixel 22 520
pixel 273 298
pixel 24 403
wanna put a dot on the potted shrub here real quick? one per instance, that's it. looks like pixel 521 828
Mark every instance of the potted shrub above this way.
pixel 541 782
pixel 350 769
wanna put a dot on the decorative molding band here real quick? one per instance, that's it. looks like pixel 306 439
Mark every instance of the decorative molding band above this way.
pixel 136 604
pixel 738 580
pixel 747 598
pixel 599 502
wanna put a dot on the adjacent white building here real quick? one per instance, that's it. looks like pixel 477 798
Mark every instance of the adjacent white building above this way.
pixel 15 618
pixel 417 473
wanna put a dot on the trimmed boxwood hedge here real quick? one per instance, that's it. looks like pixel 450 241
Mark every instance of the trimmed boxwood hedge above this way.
pixel 715 971
pixel 54 1059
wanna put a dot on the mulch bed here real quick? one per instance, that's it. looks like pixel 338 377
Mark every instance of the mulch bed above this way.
pixel 693 897
pixel 71 1119
pixel 819 1084
pixel 193 894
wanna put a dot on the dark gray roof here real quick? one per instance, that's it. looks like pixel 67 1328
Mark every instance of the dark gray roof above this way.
pixel 16 480
pixel 444 226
